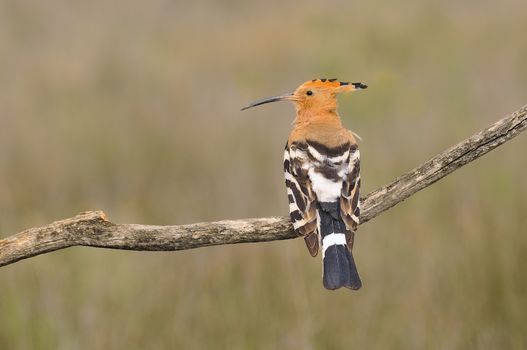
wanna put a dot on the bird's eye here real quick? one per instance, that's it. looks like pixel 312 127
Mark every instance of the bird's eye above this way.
pixel 309 92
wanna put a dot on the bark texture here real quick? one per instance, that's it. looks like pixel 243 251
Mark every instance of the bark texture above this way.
pixel 93 229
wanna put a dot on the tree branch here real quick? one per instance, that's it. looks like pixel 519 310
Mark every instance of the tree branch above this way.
pixel 94 230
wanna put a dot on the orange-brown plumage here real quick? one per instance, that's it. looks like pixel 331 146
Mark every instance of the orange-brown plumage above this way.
pixel 316 114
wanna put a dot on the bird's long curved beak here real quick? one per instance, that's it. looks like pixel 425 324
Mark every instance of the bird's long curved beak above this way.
pixel 285 97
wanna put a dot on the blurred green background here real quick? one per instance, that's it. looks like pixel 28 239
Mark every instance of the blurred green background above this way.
pixel 132 107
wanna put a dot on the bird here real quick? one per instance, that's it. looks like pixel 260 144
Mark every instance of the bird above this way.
pixel 322 176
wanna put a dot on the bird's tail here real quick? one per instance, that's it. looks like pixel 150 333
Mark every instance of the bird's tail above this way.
pixel 339 266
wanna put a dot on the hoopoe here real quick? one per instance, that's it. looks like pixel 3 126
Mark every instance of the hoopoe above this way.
pixel 321 165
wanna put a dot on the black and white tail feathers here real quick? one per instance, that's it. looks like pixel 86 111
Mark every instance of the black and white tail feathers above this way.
pixel 338 263
pixel 324 204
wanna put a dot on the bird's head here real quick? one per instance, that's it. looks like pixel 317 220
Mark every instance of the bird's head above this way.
pixel 316 94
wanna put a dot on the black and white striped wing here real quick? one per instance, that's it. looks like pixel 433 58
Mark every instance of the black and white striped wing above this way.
pixel 302 199
pixel 350 195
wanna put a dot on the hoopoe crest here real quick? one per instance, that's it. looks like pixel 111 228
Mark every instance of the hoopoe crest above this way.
pixel 322 175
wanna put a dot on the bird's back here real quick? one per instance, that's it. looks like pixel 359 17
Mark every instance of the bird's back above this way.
pixel 321 163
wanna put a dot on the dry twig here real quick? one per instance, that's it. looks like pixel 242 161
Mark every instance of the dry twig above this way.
pixel 94 230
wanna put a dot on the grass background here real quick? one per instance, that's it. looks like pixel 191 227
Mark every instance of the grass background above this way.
pixel 133 107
